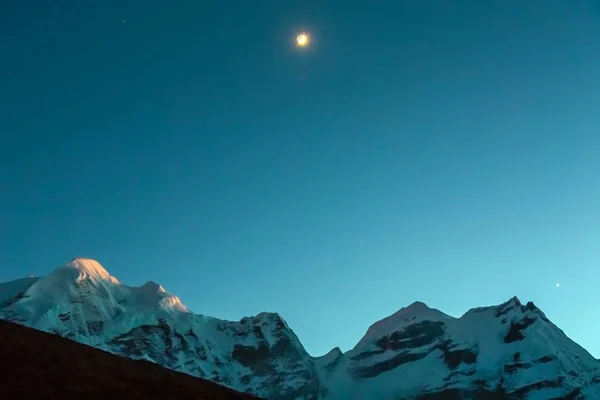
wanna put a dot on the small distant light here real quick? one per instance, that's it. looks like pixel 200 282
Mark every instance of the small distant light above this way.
pixel 302 39
pixel 558 285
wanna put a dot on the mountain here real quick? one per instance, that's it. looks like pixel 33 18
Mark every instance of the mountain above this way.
pixel 510 351
pixel 39 365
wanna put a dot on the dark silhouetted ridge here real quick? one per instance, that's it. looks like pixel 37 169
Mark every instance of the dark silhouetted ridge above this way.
pixel 39 365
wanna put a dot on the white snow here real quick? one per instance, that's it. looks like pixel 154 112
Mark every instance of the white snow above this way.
pixel 82 299
pixel 416 312
pixel 12 289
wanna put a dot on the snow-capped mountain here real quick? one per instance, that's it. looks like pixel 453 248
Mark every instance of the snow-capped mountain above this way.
pixel 510 351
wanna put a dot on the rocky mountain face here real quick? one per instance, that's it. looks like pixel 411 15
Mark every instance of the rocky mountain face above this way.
pixel 510 351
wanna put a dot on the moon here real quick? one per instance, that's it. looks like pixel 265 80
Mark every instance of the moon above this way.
pixel 302 40
pixel 558 285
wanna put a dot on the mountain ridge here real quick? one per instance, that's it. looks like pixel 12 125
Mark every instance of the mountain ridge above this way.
pixel 508 347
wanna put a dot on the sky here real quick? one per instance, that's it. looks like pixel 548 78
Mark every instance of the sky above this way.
pixel 440 151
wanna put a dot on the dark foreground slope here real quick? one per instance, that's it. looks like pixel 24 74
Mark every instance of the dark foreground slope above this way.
pixel 38 365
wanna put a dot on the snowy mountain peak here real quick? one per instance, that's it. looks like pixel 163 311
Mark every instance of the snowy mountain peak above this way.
pixel 87 267
pixel 152 295
pixel 270 317
pixel 416 312
pixel 65 281
pixel 415 308
pixel 512 302
pixel 152 287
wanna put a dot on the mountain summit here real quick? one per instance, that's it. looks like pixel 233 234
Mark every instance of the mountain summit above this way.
pixel 406 316
pixel 509 351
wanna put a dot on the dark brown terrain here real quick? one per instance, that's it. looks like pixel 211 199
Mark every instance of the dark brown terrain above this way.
pixel 38 365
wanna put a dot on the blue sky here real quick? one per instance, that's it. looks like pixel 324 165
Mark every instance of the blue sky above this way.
pixel 441 151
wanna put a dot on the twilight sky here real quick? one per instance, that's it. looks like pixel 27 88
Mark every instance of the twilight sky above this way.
pixel 441 151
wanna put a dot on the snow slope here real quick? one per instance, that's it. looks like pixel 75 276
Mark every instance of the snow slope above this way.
pixel 508 351
pixel 11 291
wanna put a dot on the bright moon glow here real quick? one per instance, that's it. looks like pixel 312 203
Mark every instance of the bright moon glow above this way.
pixel 558 284
pixel 302 39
